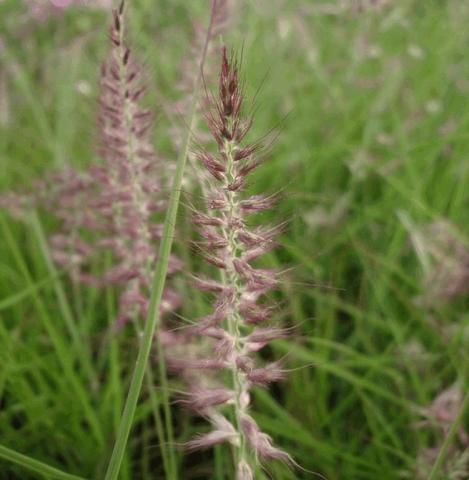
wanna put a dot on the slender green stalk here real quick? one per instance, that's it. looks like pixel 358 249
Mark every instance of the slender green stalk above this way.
pixel 35 465
pixel 152 321
pixel 233 322
pixel 169 465
pixel 449 440
pixel 115 371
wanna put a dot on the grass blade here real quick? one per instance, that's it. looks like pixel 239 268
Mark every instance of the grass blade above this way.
pixel 63 352
pixel 35 465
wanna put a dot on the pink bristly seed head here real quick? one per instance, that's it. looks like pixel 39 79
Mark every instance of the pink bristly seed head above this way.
pixel 202 219
pixel 244 471
pixel 195 364
pixel 210 439
pixel 110 206
pixel 208 285
pixel 261 442
pixel 264 376
pixel 231 246
pixel 257 203
pixel 263 335
pixel 201 399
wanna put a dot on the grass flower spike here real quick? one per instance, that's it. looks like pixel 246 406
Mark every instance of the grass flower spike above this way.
pixel 114 206
pixel 132 175
pixel 230 245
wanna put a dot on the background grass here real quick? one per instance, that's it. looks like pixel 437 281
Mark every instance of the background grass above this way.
pixel 374 118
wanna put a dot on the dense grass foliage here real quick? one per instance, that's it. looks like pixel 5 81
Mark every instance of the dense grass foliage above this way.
pixel 371 163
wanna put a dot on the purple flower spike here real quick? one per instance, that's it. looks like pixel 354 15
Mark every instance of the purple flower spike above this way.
pixel 112 210
pixel 232 247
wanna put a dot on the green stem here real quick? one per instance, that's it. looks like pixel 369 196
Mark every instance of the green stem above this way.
pixel 232 278
pixel 169 464
pixel 152 321
pixel 35 465
pixel 449 440
pixel 115 370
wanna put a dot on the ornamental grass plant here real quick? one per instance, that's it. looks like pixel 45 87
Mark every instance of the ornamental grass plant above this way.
pixel 233 240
